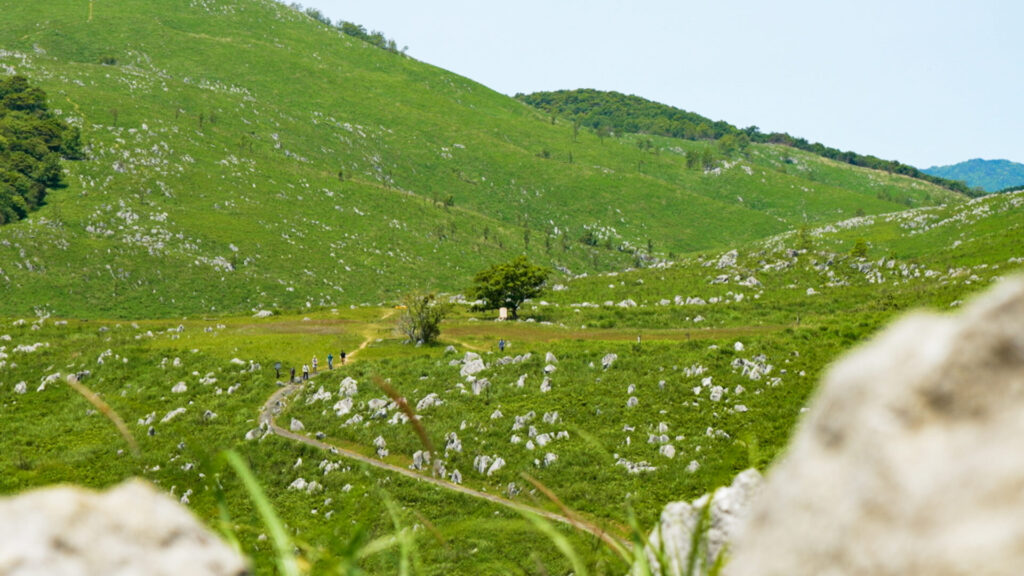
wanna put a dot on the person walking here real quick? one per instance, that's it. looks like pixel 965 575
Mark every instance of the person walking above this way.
pixel 315 364
pixel 501 345
pixel 343 357
pixel 305 372
pixel 277 370
pixel 292 380
pixel 330 361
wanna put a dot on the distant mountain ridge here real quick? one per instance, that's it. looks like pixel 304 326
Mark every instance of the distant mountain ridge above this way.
pixel 989 175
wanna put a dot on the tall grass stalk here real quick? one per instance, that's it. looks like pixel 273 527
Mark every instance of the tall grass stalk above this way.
pixel 558 539
pixel 106 410
pixel 283 546
pixel 403 536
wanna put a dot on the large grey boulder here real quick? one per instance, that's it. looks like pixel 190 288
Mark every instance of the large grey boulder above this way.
pixel 669 546
pixel 472 365
pixel 910 459
pixel 130 529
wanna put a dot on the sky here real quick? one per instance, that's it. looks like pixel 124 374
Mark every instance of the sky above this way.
pixel 924 82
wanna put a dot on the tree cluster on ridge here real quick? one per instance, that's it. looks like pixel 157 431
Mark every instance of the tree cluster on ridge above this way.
pixel 613 112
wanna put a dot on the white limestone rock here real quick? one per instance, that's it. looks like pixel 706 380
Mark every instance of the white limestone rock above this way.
pixel 131 528
pixel 472 364
pixel 727 506
pixel 348 388
pixel 727 260
pixel 909 459
pixel 478 386
pixel 172 415
pixel 320 395
pixel 716 393
pixel 496 465
pixel 428 401
pixel 343 406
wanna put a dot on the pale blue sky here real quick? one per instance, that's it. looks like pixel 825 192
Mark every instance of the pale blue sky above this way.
pixel 922 82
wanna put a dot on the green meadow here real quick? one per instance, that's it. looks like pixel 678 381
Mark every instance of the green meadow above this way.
pixel 259 188
pixel 637 404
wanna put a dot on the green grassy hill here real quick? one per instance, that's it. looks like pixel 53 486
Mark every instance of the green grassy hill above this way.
pixel 242 155
pixel 612 112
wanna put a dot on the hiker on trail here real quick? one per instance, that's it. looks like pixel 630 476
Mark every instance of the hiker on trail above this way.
pixel 342 357
pixel 314 364
pixel 501 345
pixel 305 372
pixel 330 361
pixel 277 370
pixel 293 375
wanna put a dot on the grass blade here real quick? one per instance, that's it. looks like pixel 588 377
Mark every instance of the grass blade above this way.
pixel 618 546
pixel 558 539
pixel 106 410
pixel 403 536
pixel 283 547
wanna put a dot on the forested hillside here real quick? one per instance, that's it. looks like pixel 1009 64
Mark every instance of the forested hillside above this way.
pixel 988 175
pixel 612 112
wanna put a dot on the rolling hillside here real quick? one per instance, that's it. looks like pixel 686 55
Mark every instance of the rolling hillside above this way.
pixel 243 156
pixel 613 112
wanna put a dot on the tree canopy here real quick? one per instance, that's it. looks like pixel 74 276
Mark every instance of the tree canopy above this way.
pixel 421 317
pixel 509 284
pixel 352 29
pixel 32 143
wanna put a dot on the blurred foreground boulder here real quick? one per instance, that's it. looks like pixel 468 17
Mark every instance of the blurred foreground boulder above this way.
pixel 910 459
pixel 131 528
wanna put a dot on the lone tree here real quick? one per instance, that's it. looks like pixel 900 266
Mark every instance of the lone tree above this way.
pixel 508 285
pixel 421 319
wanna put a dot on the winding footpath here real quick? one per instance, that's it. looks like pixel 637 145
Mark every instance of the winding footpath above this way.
pixel 278 402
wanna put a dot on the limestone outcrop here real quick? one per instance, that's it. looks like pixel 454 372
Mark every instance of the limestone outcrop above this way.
pixel 130 529
pixel 669 546
pixel 909 461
